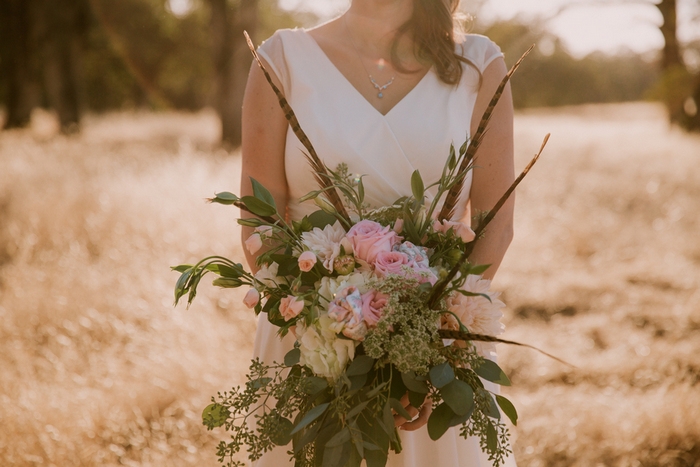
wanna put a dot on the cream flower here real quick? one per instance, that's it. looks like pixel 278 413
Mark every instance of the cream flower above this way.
pixel 322 350
pixel 329 286
pixel 326 243
pixel 478 314
pixel 267 276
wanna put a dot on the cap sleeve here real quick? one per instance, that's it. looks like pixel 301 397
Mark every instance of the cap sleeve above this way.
pixel 272 51
pixel 480 50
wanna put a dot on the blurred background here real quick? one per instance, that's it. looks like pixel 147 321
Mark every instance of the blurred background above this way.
pixel 119 118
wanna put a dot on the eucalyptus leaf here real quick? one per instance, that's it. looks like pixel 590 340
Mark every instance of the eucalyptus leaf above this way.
pixel 492 408
pixel 341 437
pixel 491 438
pixel 215 415
pixel 262 193
pixel 441 375
pixel 479 269
pixel 508 409
pixel 357 382
pixel 282 436
pixel 439 421
pixel 357 409
pixel 376 458
pixel 399 409
pixel 361 365
pixel 292 357
pixel 416 399
pixel 311 415
pixel 490 371
pixel 413 384
pixel 459 396
pixel 313 385
pixel 258 207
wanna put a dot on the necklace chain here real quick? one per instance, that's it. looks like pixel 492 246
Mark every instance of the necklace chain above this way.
pixel 379 87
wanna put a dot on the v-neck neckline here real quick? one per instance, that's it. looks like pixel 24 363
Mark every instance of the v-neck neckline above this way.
pixel 355 90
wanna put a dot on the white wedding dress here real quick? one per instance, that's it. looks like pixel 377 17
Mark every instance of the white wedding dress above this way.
pixel 344 127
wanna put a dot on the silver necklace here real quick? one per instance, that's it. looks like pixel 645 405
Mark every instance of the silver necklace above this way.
pixel 379 87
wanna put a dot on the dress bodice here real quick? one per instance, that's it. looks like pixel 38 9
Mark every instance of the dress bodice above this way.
pixel 344 127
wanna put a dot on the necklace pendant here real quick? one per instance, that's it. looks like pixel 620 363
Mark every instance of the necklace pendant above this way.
pixel 380 95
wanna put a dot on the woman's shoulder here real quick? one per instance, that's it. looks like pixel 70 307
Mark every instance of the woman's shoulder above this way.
pixel 478 49
pixel 281 36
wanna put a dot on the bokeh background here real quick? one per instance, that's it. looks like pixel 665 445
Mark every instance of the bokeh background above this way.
pixel 120 118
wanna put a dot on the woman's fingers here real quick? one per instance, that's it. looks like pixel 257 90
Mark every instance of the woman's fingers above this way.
pixel 425 411
pixel 399 421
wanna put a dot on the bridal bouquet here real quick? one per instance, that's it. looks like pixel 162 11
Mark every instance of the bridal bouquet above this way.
pixel 386 310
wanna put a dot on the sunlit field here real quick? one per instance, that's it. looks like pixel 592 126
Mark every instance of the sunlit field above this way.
pixel 97 368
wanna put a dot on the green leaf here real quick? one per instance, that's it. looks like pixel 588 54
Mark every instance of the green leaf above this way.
pixel 376 458
pixel 416 399
pixel 258 207
pixel 490 371
pixel 441 375
pixel 341 437
pixel 282 436
pixel 388 422
pixel 250 222
pixel 479 269
pixel 377 389
pixel 492 408
pixel 224 197
pixel 508 409
pixel 258 383
pixel 313 385
pixel 413 384
pixel 357 409
pixel 335 456
pixel 459 396
pixel 181 286
pixel 292 357
pixel 260 192
pixel 214 415
pixel 417 186
pixel 463 148
pixel 357 382
pixel 439 421
pixel 491 438
pixel 360 366
pixel 399 409
pixel 181 268
pixel 360 190
pixel 310 416
pixel 321 219
pixel 357 440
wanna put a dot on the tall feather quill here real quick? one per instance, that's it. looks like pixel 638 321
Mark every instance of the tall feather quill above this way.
pixel 448 207
pixel 319 168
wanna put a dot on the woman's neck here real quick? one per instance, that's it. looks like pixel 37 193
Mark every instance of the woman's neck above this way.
pixel 376 21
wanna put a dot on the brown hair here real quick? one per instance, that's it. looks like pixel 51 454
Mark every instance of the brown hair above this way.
pixel 432 28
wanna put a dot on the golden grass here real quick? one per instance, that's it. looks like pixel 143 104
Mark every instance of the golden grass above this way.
pixel 99 369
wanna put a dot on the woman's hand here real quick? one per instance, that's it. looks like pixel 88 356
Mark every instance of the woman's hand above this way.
pixel 423 413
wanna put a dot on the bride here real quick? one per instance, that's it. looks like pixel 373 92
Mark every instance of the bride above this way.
pixel 385 88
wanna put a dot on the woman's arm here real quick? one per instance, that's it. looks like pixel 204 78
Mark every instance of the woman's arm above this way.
pixel 494 170
pixel 264 136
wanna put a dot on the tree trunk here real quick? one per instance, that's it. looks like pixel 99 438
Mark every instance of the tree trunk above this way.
pixel 17 49
pixel 672 51
pixel 63 25
pixel 231 62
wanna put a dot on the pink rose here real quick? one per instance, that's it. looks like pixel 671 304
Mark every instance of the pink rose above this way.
pixel 290 307
pixel 254 243
pixel 461 230
pixel 373 304
pixel 369 238
pixel 307 260
pixel 251 298
pixel 391 262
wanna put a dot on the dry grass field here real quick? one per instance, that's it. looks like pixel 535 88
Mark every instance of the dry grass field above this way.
pixel 98 369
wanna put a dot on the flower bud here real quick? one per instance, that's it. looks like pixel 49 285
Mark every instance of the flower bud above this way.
pixel 344 265
pixel 323 203
pixel 254 243
pixel 307 260
pixel 251 298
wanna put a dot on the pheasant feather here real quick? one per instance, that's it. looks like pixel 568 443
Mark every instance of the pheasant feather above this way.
pixel 448 207
pixel 320 170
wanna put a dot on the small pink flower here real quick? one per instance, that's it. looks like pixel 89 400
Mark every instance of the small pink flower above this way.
pixel 373 304
pixel 251 298
pixel 461 230
pixel 290 307
pixel 307 260
pixel 398 226
pixel 265 231
pixel 254 243
pixel 391 262
pixel 369 238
